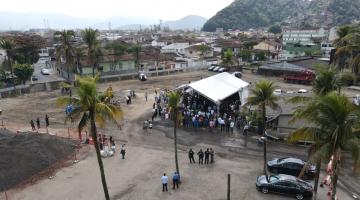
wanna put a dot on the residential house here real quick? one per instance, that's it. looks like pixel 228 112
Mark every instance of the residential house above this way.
pixel 177 48
pixel 233 44
pixel 157 43
pixel 194 51
pixel 268 45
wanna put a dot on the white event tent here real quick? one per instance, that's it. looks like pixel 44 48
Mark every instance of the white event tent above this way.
pixel 221 86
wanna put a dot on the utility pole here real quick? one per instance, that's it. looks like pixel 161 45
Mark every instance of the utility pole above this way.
pixel 228 186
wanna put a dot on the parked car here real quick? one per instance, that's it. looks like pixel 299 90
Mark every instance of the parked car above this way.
pixel 223 69
pixel 237 74
pixel 290 166
pixel 290 92
pixel 211 68
pixel 278 92
pixel 284 184
pixel 356 100
pixel 45 71
pixel 216 69
pixel 142 76
pixel 302 91
pixel 34 78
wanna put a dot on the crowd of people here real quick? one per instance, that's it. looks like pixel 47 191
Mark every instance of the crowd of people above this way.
pixel 208 154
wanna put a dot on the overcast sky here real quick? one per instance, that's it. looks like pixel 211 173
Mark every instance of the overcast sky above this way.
pixel 102 9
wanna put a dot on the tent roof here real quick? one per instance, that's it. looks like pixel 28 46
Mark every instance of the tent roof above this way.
pixel 219 87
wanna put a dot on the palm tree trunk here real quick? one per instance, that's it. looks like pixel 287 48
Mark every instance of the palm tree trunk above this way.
pixel 175 144
pixel 317 176
pixel 263 109
pixel 101 166
pixel 335 176
pixel 302 172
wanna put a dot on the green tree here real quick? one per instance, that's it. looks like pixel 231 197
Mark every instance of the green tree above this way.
pixel 27 47
pixel 347 46
pixel 276 29
pixel 335 120
pixel 260 56
pixel 203 49
pixel 65 49
pixel 245 55
pixel 118 49
pixel 89 37
pixel 228 58
pixel 327 79
pixel 174 100
pixel 91 109
pixel 262 96
pixel 23 72
pixel 9 47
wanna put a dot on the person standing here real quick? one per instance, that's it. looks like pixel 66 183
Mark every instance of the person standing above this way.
pixel 38 122
pixel 146 95
pixel 32 125
pixel 164 181
pixel 232 124
pixel 123 151
pixel 207 154
pixel 201 157
pixel 150 126
pixel 176 180
pixel 191 156
pixel 47 120
pixel 211 155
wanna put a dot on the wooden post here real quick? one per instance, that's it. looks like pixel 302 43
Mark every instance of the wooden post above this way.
pixel 69 132
pixel 6 197
pixel 228 187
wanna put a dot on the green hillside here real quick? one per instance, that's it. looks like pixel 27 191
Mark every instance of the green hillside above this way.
pixel 245 14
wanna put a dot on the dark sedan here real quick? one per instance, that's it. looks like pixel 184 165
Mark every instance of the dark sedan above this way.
pixel 290 166
pixel 284 184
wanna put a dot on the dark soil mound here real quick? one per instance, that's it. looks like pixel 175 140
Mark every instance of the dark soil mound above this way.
pixel 23 155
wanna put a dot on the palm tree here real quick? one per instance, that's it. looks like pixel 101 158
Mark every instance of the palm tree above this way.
pixel 78 55
pixel 9 47
pixel 65 49
pixel 262 96
pixel 335 120
pixel 174 99
pixel 347 44
pixel 89 37
pixel 91 109
pixel 327 80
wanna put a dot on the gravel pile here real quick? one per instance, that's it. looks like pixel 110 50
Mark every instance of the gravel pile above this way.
pixel 23 155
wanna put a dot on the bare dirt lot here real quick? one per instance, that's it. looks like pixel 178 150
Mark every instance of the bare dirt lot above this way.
pixel 149 155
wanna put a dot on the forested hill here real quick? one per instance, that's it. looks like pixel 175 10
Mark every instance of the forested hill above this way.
pixel 245 14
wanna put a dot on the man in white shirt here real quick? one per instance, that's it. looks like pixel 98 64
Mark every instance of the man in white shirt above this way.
pixel 232 124
pixel 164 181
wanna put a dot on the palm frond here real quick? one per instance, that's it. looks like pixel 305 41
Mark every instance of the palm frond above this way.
pixel 305 134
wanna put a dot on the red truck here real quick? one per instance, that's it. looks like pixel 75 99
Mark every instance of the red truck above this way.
pixel 301 77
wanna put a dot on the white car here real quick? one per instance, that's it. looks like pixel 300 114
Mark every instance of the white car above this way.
pixel 290 92
pixel 302 91
pixel 216 69
pixel 278 92
pixel 45 71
